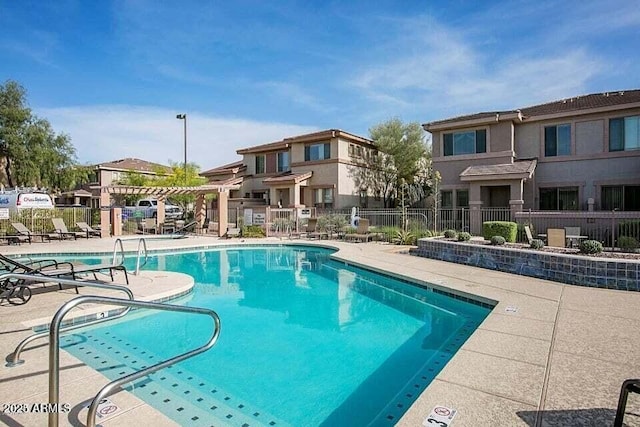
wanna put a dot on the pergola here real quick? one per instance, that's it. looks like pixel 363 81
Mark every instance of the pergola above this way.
pixel 221 189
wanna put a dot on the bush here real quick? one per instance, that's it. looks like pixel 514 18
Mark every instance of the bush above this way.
pixel 450 234
pixel 252 231
pixel 423 233
pixel 404 238
pixel 506 229
pixel 464 237
pixel 497 240
pixel 389 233
pixel 630 228
pixel 628 243
pixel 536 244
pixel 590 247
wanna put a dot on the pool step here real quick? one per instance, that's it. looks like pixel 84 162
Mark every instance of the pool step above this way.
pixel 181 395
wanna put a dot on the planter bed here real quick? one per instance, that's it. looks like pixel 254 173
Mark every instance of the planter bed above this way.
pixel 552 264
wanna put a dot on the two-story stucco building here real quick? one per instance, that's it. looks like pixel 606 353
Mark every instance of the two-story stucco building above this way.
pixel 311 170
pixel 580 153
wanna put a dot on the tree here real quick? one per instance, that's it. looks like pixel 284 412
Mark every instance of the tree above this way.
pixel 402 166
pixel 33 154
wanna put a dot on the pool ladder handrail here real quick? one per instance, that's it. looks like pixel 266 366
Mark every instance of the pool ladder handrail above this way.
pixel 142 244
pixel 54 349
pixel 14 358
pixel 117 243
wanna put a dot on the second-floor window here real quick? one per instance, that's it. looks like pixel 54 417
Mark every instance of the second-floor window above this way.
pixel 468 142
pixel 557 140
pixel 317 152
pixel 283 161
pixel 624 133
pixel 260 164
pixel 323 198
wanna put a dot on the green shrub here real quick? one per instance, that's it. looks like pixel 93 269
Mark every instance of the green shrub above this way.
pixel 423 233
pixel 450 234
pixel 590 247
pixel 630 228
pixel 628 243
pixel 497 240
pixel 252 231
pixel 536 244
pixel 506 229
pixel 388 233
pixel 464 237
pixel 404 238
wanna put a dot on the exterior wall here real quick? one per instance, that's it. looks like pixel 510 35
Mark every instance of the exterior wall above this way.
pixel 500 137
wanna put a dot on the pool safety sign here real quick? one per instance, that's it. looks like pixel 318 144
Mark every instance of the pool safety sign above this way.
pixel 440 416
pixel 106 408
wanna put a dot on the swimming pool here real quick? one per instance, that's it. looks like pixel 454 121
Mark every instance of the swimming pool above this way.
pixel 305 341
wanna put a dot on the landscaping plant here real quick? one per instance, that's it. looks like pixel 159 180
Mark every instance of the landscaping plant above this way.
pixel 506 229
pixel 450 234
pixel 404 238
pixel 536 244
pixel 628 243
pixel 497 240
pixel 590 247
pixel 464 237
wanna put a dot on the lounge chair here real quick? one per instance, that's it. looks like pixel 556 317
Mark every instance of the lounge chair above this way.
pixel 61 228
pixel 86 228
pixel 527 231
pixel 232 232
pixel 362 232
pixel 313 231
pixel 148 225
pixel 572 234
pixel 24 231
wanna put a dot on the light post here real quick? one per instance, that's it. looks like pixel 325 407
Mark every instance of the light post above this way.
pixel 184 117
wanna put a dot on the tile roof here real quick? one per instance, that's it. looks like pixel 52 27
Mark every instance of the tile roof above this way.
pixel 133 164
pixel 488 171
pixel 308 137
pixel 228 168
pixel 582 102
pixel 288 177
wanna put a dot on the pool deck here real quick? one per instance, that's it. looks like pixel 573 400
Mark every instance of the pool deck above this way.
pixel 548 354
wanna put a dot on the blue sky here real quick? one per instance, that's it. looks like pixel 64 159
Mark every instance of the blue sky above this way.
pixel 113 74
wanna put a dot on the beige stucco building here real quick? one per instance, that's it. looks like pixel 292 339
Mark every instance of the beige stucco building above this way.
pixel 311 170
pixel 580 153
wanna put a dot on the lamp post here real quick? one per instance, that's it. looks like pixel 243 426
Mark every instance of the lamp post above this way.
pixel 184 117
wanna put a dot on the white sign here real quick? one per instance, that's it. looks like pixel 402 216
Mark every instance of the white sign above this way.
pixel 259 218
pixel 106 408
pixel 304 213
pixel 4 213
pixel 248 217
pixel 440 416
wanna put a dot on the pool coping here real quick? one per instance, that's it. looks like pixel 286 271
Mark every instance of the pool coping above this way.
pixel 492 379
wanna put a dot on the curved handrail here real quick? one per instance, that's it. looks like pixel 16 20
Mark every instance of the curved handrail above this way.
pixel 115 244
pixel 142 242
pixel 14 358
pixel 54 349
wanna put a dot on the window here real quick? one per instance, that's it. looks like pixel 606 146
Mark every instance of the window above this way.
pixel 469 142
pixel 260 164
pixel 621 197
pixel 317 152
pixel 557 140
pixel 462 198
pixel 323 198
pixel 447 199
pixel 624 134
pixel 559 199
pixel 283 161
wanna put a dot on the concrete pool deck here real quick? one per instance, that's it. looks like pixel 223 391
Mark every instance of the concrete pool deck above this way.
pixel 548 353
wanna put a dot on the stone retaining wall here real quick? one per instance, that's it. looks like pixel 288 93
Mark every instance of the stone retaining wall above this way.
pixel 571 269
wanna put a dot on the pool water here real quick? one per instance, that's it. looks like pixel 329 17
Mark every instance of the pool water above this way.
pixel 305 341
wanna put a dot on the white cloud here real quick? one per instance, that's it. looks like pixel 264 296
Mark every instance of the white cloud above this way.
pixel 109 132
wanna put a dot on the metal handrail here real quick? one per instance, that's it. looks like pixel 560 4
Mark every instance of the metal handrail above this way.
pixel 115 245
pixel 54 349
pixel 142 242
pixel 14 358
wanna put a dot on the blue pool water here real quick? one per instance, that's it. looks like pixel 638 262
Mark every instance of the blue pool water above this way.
pixel 305 341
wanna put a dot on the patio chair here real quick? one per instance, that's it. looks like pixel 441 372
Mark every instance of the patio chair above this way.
pixel 556 237
pixel 169 226
pixel 527 231
pixel 572 234
pixel 149 225
pixel 362 232
pixel 232 232
pixel 628 386
pixel 61 228
pixel 24 231
pixel 86 228
pixel 314 232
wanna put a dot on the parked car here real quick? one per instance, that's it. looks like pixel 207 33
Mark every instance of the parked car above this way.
pixel 148 208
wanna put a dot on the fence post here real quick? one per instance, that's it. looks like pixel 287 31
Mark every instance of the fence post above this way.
pixel 613 228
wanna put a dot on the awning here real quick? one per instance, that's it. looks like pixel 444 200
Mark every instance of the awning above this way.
pixel 289 178
pixel 517 170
